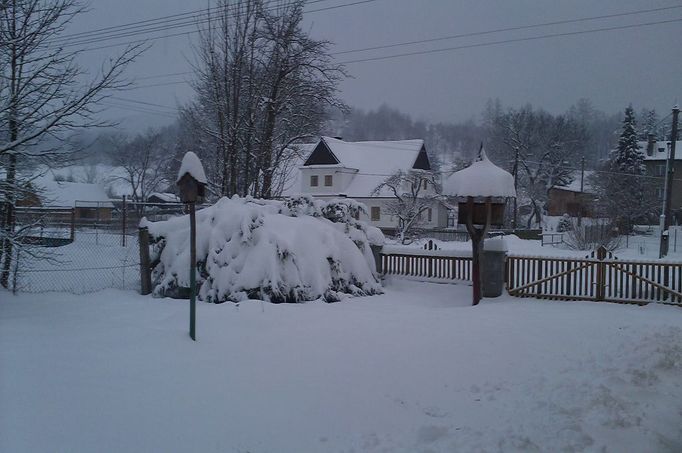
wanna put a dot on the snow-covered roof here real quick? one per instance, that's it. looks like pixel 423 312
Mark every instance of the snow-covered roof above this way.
pixel 165 197
pixel 370 163
pixel 574 186
pixel 72 194
pixel 192 165
pixel 376 156
pixel 660 151
pixel 480 179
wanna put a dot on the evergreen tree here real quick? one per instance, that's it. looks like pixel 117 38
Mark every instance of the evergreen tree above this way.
pixel 627 157
pixel 627 195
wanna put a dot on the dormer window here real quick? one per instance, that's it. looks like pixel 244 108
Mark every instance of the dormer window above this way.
pixel 425 184
pixel 328 180
pixel 314 180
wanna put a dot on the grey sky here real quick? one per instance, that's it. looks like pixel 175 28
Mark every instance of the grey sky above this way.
pixel 639 65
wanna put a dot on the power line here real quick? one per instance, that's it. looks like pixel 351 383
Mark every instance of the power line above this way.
pixel 508 41
pixel 501 30
pixel 609 172
pixel 148 22
pixel 480 33
pixel 144 103
pixel 198 20
pixel 138 109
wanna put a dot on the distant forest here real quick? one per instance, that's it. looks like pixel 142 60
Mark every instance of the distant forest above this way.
pixel 448 142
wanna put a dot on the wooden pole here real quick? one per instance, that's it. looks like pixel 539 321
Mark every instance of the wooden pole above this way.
pixel 477 237
pixel 670 174
pixel 192 272
pixel 145 266
pixel 73 224
pixel 125 221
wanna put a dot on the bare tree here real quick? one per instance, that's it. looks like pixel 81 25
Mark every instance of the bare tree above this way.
pixel 413 193
pixel 540 149
pixel 145 160
pixel 42 96
pixel 262 84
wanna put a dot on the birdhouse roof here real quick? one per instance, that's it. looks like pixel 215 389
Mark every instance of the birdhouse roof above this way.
pixel 480 179
pixel 192 165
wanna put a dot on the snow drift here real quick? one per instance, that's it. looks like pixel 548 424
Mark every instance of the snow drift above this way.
pixel 281 251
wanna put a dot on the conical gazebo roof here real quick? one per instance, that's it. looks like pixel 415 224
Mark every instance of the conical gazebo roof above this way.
pixel 480 179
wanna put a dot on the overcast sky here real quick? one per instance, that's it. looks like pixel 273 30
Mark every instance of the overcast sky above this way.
pixel 612 68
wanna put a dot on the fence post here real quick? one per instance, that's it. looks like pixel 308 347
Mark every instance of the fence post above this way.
pixel 601 273
pixel 125 221
pixel 73 224
pixel 145 265
pixel 376 251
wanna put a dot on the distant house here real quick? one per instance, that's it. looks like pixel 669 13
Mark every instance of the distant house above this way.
pixel 572 199
pixel 336 168
pixel 163 198
pixel 655 160
pixel 90 201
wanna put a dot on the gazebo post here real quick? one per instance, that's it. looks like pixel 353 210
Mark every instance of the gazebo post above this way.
pixel 477 236
pixel 481 190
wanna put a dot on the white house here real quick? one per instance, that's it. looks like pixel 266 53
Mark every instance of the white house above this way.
pixel 336 168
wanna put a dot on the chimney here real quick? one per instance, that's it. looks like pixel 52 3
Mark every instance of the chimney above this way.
pixel 651 142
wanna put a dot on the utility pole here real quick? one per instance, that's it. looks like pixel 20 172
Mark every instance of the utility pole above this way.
pixel 669 187
pixel 516 172
pixel 582 190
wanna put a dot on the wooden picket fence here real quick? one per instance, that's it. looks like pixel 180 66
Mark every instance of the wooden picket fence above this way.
pixel 427 264
pixel 599 276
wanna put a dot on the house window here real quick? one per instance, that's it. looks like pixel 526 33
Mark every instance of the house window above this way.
pixel 429 214
pixel 313 180
pixel 660 170
pixel 375 213
pixel 88 213
pixel 661 150
pixel 659 193
pixel 328 180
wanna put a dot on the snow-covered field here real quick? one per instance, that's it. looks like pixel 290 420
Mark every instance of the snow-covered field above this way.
pixel 642 246
pixel 94 261
pixel 413 370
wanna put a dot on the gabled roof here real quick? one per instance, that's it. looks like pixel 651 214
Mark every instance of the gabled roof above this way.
pixel 369 162
pixel 574 185
pixel 72 194
pixel 164 197
pixel 371 156
pixel 660 151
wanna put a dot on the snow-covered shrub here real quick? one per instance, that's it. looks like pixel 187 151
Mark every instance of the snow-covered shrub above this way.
pixel 565 224
pixel 591 236
pixel 282 251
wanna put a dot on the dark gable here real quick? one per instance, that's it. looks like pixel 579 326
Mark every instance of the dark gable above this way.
pixel 422 162
pixel 321 155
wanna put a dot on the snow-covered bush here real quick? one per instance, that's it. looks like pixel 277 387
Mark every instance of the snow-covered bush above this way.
pixel 590 236
pixel 282 251
pixel 565 224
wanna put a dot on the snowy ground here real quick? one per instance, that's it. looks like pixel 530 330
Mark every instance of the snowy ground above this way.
pixel 414 370
pixel 641 246
pixel 94 261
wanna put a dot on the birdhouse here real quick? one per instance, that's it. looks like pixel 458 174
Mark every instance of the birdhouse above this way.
pixel 191 179
pixel 191 190
pixel 479 211
pixel 478 188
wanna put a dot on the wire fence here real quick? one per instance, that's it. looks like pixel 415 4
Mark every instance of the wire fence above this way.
pixel 86 248
pixel 95 260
